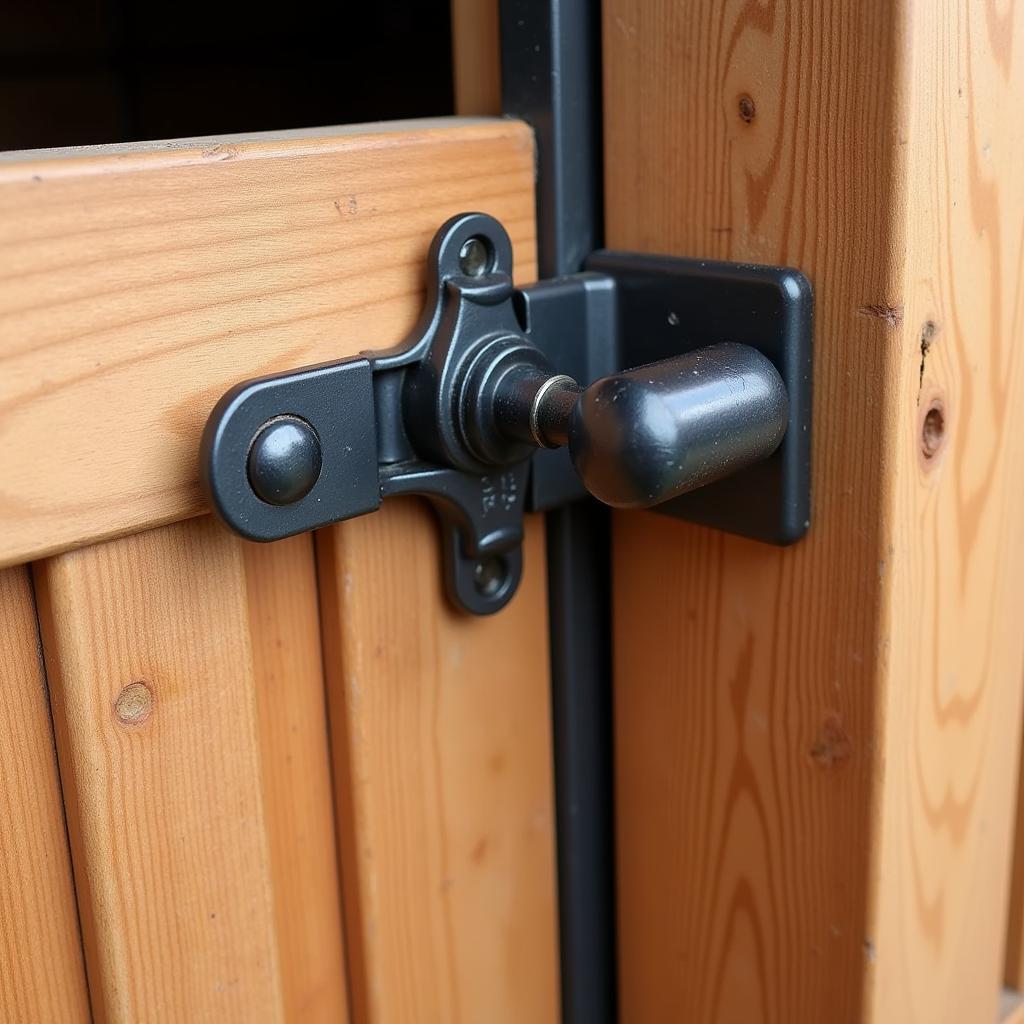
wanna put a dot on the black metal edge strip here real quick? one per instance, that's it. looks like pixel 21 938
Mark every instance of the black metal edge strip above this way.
pixel 551 78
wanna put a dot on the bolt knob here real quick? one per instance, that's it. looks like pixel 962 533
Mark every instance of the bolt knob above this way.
pixel 650 434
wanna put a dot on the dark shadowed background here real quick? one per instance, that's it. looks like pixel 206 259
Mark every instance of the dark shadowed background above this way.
pixel 75 72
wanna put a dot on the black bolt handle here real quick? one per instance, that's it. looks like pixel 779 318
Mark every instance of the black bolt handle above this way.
pixel 649 434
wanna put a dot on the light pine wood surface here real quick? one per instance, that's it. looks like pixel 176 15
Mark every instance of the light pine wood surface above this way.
pixel 951 647
pixel 442 748
pixel 816 747
pixel 291 711
pixel 138 283
pixel 178 761
pixel 188 687
pixel 42 975
pixel 153 689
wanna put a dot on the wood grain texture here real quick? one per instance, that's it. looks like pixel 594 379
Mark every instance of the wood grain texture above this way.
pixel 814 744
pixel 951 648
pixel 178 762
pixel 42 974
pixel 138 283
pixel 476 56
pixel 442 746
pixel 284 624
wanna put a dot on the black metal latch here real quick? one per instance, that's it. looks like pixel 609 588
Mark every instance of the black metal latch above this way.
pixel 480 410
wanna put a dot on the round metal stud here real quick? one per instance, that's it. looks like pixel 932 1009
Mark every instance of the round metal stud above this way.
pixel 284 461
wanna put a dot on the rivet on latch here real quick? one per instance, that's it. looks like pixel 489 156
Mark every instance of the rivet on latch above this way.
pixel 284 460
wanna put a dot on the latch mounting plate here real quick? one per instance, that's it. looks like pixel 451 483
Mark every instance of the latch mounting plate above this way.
pixel 667 306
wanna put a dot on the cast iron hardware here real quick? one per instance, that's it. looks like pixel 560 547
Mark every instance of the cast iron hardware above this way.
pixel 488 377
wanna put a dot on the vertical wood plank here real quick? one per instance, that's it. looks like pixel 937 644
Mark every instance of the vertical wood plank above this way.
pixel 441 738
pixel 745 676
pixel 42 975
pixel 814 746
pixel 284 621
pixel 951 650
pixel 476 56
pixel 154 695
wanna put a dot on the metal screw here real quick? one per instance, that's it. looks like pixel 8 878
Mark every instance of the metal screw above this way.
pixel 285 460
pixel 489 576
pixel 475 257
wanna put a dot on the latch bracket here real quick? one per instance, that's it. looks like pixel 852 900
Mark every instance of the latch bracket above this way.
pixel 458 411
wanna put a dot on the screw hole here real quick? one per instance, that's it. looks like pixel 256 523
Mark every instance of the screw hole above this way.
pixel 490 576
pixel 476 256
pixel 933 431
